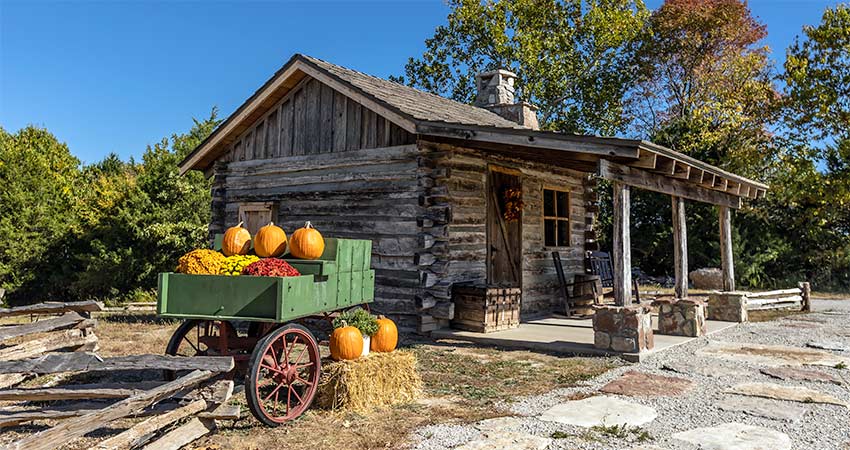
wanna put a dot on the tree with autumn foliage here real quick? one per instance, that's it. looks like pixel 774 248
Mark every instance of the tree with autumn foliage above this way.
pixel 705 84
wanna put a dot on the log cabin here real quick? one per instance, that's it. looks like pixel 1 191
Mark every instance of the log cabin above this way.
pixel 451 194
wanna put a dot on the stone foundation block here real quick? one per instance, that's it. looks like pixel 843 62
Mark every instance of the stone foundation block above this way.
pixel 624 329
pixel 681 317
pixel 728 306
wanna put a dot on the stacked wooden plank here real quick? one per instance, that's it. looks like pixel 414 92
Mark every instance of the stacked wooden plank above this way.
pixel 64 344
pixel 796 298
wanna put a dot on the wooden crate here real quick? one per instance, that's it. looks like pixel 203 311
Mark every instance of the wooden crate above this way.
pixel 485 309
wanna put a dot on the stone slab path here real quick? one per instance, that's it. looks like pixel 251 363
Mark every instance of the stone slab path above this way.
pixel 760 407
pixel 600 410
pixel 755 386
pixel 635 383
pixel 789 393
pixel 793 373
pixel 737 436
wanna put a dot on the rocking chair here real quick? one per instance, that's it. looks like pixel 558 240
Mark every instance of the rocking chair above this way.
pixel 598 264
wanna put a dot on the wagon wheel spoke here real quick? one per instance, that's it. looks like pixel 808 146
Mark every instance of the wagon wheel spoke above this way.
pixel 274 356
pixel 304 366
pixel 298 378
pixel 186 338
pixel 273 392
pixel 265 382
pixel 288 400
pixel 292 390
pixel 289 348
pixel 300 355
pixel 275 370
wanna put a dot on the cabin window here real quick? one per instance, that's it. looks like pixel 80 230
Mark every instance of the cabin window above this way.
pixel 256 214
pixel 556 218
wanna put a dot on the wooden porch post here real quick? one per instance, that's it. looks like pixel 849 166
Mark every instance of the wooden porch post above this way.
pixel 726 263
pixel 622 246
pixel 680 247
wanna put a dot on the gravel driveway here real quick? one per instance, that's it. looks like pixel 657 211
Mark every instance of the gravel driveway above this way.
pixel 807 352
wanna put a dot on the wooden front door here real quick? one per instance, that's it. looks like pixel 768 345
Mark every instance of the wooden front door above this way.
pixel 504 235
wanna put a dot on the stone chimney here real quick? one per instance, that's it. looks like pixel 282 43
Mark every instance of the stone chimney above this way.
pixel 496 93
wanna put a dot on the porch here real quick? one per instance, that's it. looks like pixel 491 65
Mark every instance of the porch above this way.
pixel 562 335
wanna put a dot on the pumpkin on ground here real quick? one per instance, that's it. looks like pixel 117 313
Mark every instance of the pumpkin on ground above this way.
pixel 270 241
pixel 346 343
pixel 386 338
pixel 236 241
pixel 307 243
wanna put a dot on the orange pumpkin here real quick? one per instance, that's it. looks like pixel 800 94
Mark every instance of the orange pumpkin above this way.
pixel 237 241
pixel 270 241
pixel 307 243
pixel 386 338
pixel 346 343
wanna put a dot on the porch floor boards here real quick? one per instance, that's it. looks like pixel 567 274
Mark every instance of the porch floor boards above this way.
pixel 561 335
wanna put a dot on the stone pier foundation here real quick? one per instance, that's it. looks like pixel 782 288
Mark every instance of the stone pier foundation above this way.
pixel 624 329
pixel 728 306
pixel 681 317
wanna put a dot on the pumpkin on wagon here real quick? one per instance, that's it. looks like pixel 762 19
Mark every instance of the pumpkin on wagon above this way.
pixel 279 283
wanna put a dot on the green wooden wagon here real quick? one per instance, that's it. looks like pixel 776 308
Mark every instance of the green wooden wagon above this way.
pixel 278 354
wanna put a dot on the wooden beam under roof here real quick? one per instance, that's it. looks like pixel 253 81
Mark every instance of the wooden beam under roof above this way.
pixel 524 138
pixel 695 175
pixel 646 160
pixel 733 187
pixel 720 184
pixel 665 166
pixel 650 181
pixel 664 151
pixel 681 171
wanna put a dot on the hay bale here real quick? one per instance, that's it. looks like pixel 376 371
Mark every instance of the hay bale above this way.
pixel 378 379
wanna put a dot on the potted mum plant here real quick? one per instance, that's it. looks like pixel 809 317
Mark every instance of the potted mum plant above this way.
pixel 363 321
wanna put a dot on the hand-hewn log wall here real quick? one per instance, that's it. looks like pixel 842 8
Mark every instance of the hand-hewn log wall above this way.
pixel 458 180
pixel 362 194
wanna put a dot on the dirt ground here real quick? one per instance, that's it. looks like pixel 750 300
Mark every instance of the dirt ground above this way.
pixel 462 384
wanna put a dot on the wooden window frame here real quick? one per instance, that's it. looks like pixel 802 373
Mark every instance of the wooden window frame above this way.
pixel 557 218
pixel 247 207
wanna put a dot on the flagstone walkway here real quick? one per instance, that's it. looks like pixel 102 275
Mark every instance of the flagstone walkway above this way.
pixel 780 385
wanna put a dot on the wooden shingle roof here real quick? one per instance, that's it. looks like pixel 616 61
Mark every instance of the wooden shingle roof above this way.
pixel 417 105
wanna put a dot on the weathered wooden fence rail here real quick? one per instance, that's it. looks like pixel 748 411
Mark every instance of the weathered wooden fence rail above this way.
pixel 64 342
pixel 796 298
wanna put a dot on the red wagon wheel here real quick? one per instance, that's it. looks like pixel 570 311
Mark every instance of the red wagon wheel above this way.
pixel 283 375
pixel 193 338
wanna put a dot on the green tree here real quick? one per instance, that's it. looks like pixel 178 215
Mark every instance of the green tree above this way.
pixel 122 222
pixel 569 56
pixel 158 215
pixel 812 188
pixel 38 181
pixel 817 76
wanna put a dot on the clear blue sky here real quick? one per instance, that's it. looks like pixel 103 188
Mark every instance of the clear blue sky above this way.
pixel 114 76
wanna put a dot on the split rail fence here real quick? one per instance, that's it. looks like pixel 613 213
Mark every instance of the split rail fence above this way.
pixel 796 298
pixel 175 413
